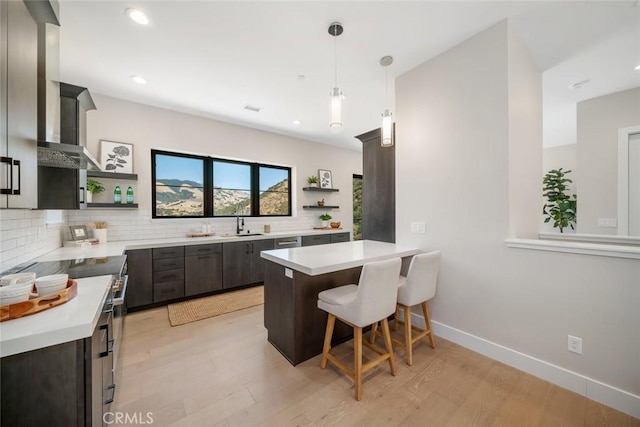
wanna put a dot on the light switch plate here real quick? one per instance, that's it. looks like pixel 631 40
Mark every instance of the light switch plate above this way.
pixel 607 222
pixel 418 227
pixel 288 272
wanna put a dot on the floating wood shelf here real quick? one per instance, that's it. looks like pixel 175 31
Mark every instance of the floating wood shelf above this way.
pixel 112 175
pixel 319 189
pixel 320 207
pixel 112 205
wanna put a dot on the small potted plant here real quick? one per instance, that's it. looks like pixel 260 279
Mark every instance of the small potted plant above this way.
pixel 93 187
pixel 312 181
pixel 325 217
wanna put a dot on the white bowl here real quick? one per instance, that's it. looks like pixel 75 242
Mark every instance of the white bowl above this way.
pixel 17 278
pixel 49 284
pixel 16 293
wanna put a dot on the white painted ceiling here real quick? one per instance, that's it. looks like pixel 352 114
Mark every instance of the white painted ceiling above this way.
pixel 211 58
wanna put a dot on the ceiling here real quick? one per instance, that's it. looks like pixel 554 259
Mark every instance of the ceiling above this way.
pixel 211 58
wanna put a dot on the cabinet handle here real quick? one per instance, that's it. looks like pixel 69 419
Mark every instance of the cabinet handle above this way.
pixel 17 163
pixel 204 257
pixel 292 242
pixel 107 350
pixel 203 249
pixel 8 161
pixel 112 387
pixel 82 193
pixel 251 247
pixel 247 246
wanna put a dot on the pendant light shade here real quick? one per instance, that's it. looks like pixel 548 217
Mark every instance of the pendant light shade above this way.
pixel 387 138
pixel 335 29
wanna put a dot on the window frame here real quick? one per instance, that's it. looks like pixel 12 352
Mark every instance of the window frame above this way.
pixel 208 185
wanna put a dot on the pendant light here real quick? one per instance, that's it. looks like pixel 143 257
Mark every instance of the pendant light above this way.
pixel 335 29
pixel 387 124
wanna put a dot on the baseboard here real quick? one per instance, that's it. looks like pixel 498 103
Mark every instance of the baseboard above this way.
pixel 595 390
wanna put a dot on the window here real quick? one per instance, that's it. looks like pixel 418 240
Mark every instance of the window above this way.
pixel 357 207
pixel 188 186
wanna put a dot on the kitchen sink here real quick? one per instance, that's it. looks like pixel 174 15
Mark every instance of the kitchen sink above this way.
pixel 242 235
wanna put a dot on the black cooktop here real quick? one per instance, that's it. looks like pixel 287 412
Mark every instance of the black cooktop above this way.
pixel 77 268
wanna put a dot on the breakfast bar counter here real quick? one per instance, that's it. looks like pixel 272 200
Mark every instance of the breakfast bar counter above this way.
pixel 293 279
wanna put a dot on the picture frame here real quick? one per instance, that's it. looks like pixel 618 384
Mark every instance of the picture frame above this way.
pixel 325 178
pixel 78 232
pixel 116 157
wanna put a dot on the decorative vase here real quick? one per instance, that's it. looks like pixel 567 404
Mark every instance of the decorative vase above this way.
pixel 89 197
pixel 325 224
pixel 100 234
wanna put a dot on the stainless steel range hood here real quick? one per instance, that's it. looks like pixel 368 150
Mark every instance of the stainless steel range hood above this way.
pixel 69 156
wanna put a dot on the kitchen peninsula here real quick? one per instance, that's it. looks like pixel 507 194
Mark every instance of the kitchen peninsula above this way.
pixel 295 276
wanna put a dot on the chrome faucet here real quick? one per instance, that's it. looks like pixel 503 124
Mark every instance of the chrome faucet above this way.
pixel 238 227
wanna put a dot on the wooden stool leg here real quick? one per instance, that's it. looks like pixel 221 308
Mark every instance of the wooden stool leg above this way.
pixel 396 317
pixel 357 352
pixel 389 346
pixel 331 321
pixel 427 321
pixel 374 331
pixel 408 340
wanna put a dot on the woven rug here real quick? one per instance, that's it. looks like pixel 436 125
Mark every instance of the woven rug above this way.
pixel 203 308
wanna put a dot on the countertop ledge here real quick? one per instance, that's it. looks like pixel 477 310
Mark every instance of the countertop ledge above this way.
pixel 74 320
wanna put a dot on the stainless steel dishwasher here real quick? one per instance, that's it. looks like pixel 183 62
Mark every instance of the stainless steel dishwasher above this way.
pixel 288 242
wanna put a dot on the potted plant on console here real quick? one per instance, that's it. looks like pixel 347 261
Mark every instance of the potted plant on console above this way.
pixel 325 217
pixel 93 187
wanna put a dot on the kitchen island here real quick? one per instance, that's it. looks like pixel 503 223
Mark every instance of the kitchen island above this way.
pixel 295 276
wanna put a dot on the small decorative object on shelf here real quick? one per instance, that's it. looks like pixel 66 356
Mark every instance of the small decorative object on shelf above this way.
pixel 100 231
pixel 325 217
pixel 312 181
pixel 325 178
pixel 321 202
pixel 129 195
pixel 117 195
pixel 93 187
pixel 335 224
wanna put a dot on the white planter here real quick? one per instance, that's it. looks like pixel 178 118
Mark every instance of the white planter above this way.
pixel 100 234
pixel 325 223
pixel 89 197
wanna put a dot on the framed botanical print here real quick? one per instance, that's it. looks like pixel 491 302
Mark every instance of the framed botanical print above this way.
pixel 116 156
pixel 325 178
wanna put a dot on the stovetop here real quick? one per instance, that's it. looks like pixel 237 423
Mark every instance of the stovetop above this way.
pixel 76 268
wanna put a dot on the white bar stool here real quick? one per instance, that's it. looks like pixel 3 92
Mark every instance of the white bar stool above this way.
pixel 373 300
pixel 418 287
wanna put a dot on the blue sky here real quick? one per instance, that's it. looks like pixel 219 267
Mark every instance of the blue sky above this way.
pixel 227 175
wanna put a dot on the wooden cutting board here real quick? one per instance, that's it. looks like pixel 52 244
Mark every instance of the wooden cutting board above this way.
pixel 36 305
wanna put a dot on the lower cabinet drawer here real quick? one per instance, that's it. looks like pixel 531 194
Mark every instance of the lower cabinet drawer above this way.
pixel 340 237
pixel 168 276
pixel 322 239
pixel 168 264
pixel 168 291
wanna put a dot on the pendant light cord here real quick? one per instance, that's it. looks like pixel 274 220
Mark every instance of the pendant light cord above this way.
pixel 335 53
pixel 386 87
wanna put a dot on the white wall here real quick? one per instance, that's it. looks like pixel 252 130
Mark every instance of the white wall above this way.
pixel 149 127
pixel 25 235
pixel 598 122
pixel 453 142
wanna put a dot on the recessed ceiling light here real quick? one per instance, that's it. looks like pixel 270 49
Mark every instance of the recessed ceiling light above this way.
pixel 139 80
pixel 138 16
pixel 301 77
pixel 296 122
pixel 579 85
pixel 637 68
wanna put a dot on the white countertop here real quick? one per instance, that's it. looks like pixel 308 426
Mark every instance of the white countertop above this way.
pixel 73 320
pixel 77 318
pixel 321 259
pixel 118 248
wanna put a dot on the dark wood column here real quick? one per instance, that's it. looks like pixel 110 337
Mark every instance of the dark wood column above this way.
pixel 378 188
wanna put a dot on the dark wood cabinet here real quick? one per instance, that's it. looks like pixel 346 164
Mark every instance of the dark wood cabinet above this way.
pixel 140 272
pixel 69 384
pixel 18 106
pixel 317 239
pixel 202 269
pixel 242 264
pixel 340 237
pixel 168 273
pixel 378 188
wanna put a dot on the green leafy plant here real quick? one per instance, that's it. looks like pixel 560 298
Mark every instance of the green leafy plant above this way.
pixel 325 217
pixel 312 179
pixel 94 187
pixel 560 207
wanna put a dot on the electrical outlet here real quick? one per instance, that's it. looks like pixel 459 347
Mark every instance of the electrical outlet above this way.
pixel 574 344
pixel 607 222
pixel 418 227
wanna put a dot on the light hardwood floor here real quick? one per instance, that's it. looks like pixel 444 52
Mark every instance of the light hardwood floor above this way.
pixel 223 372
